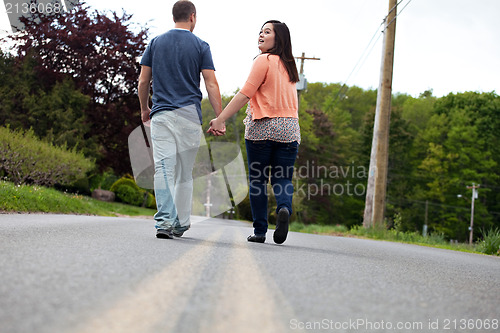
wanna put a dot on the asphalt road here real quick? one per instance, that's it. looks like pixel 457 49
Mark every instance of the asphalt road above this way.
pixel 64 273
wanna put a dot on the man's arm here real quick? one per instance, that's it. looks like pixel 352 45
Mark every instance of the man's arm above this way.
pixel 143 90
pixel 213 90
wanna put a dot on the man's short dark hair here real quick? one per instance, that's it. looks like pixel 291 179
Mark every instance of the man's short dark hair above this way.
pixel 182 10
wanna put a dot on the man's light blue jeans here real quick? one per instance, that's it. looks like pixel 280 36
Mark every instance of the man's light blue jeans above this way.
pixel 175 139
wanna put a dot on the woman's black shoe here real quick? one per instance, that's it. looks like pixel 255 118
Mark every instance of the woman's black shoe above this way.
pixel 281 226
pixel 256 239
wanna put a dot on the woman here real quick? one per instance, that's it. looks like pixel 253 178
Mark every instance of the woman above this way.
pixel 272 132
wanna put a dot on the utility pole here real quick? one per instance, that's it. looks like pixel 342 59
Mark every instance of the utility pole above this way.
pixel 377 175
pixel 302 58
pixel 302 84
pixel 208 204
pixel 474 196
pixel 424 232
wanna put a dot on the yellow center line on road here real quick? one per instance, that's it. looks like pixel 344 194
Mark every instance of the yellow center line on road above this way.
pixel 164 295
pixel 250 301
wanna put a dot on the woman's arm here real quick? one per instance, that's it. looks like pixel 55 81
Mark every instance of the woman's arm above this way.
pixel 255 79
pixel 218 124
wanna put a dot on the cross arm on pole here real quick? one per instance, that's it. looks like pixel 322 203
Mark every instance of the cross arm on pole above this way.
pixel 302 58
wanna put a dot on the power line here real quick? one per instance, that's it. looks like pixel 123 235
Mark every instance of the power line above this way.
pixel 379 35
pixel 363 57
pixel 398 200
pixel 399 11
pixel 429 178
pixel 424 202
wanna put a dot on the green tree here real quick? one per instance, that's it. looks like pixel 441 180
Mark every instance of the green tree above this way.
pixel 57 115
pixel 458 154
pixel 333 160
pixel 417 111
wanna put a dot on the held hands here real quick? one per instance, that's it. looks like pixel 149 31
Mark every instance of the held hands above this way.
pixel 217 127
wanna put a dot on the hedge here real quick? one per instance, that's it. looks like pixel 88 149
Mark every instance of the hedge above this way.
pixel 25 159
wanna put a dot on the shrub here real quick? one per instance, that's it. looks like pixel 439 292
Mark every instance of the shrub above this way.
pixel 128 195
pixel 127 191
pixel 102 181
pixel 491 242
pixel 24 159
pixel 150 201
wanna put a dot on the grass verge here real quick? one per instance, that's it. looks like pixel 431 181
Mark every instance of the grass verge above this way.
pixel 386 235
pixel 39 199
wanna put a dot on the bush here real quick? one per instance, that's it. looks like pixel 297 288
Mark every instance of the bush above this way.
pixel 243 210
pixel 128 194
pixel 127 191
pixel 491 242
pixel 24 159
pixel 102 181
pixel 150 201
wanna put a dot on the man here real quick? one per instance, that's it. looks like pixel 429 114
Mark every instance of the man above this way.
pixel 173 61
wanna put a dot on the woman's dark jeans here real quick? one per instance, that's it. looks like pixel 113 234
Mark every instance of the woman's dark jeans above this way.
pixel 269 158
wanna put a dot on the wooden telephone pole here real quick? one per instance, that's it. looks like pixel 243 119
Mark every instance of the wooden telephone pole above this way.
pixel 377 175
pixel 302 84
pixel 302 58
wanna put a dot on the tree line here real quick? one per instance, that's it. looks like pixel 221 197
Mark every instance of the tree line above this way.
pixel 72 78
pixel 437 148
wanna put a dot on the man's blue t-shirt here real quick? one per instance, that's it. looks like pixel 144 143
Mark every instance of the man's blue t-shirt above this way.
pixel 177 58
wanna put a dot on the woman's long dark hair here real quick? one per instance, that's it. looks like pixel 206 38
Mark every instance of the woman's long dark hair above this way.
pixel 283 48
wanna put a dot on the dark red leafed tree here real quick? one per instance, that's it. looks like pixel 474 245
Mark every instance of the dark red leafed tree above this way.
pixel 99 53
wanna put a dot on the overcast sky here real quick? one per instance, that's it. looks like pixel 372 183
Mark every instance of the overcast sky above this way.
pixel 444 45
